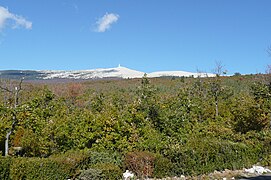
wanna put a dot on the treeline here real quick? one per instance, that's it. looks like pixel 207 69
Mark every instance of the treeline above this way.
pixel 155 127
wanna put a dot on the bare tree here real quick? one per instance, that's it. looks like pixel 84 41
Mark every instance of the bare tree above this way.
pixel 15 93
pixel 219 69
pixel 216 85
pixel 216 89
pixel 268 69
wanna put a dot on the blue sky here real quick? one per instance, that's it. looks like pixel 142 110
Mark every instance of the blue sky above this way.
pixel 146 35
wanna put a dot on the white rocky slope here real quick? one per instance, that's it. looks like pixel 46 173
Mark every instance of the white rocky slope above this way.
pixel 118 72
pixel 178 74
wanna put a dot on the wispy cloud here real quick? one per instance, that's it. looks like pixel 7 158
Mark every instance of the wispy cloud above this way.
pixel 17 21
pixel 105 22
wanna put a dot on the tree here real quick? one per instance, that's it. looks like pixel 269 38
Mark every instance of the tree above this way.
pixel 219 69
pixel 147 99
pixel 262 96
pixel 216 87
pixel 15 93
pixel 268 69
pixel 237 74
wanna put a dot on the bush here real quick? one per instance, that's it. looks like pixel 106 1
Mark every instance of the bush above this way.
pixel 101 171
pixel 163 167
pixel 5 163
pixel 94 157
pixel 92 164
pixel 141 163
pixel 200 156
pixel 86 159
pixel 38 168
pixel 109 171
pixel 87 174
pixel 99 165
pixel 62 166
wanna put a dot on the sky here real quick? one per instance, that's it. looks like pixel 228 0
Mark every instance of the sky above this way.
pixel 145 35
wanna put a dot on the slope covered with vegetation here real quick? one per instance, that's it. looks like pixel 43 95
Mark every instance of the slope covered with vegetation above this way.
pixel 154 127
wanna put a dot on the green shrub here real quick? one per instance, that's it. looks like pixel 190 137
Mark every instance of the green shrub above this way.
pixel 163 167
pixel 94 157
pixel 200 156
pixel 87 163
pixel 100 165
pixel 109 171
pixel 38 168
pixel 103 165
pixel 73 160
pixel 87 174
pixel 5 163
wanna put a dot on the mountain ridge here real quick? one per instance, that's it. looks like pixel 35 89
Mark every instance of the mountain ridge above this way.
pixel 99 73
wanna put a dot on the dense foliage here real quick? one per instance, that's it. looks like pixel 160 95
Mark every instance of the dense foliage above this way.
pixel 73 164
pixel 156 127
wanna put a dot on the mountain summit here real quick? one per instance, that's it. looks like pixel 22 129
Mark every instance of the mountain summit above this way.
pixel 118 72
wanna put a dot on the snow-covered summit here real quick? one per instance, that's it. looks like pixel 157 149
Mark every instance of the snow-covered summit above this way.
pixel 178 74
pixel 118 72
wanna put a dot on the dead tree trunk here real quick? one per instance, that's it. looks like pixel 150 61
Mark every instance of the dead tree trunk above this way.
pixel 8 135
pixel 216 106
pixel 215 89
pixel 15 93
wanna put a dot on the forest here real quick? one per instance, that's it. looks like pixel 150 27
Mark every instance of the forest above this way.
pixel 158 127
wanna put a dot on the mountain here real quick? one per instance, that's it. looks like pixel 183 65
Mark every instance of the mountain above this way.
pixel 178 74
pixel 118 72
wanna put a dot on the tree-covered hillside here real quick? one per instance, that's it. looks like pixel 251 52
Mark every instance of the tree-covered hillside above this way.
pixel 155 127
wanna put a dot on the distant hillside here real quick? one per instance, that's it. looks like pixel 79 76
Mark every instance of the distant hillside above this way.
pixel 118 72
pixel 17 74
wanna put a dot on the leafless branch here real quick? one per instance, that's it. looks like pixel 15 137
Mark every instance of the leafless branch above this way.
pixel 5 89
pixel 268 69
pixel 218 68
pixel 19 88
pixel 20 85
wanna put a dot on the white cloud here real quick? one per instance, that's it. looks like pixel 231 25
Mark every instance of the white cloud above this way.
pixel 105 22
pixel 18 21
